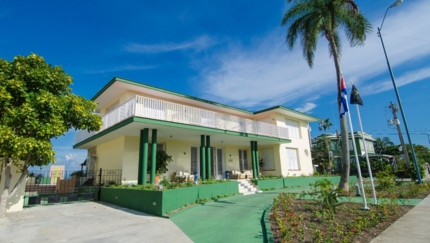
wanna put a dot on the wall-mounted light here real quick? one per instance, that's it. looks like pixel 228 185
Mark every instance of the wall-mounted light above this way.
pixel 221 141
pixel 170 136
pixel 230 155
pixel 185 153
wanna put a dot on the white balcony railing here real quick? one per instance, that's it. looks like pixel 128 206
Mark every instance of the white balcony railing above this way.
pixel 161 110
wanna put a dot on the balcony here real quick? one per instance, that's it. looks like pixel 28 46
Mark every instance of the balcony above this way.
pixel 166 111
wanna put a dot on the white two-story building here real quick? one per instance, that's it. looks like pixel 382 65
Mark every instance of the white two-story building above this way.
pixel 200 135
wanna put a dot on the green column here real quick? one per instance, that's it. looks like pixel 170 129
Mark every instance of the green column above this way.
pixel 254 159
pixel 153 155
pixel 257 159
pixel 208 157
pixel 202 158
pixel 143 157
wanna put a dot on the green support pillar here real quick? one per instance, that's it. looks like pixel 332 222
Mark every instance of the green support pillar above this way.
pixel 143 157
pixel 253 159
pixel 202 158
pixel 257 159
pixel 153 155
pixel 208 157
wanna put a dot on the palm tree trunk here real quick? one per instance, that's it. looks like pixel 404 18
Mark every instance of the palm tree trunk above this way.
pixel 344 176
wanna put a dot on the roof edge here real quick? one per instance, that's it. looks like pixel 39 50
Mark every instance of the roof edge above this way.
pixel 288 109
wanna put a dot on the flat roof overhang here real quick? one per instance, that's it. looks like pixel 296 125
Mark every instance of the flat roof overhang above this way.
pixel 176 131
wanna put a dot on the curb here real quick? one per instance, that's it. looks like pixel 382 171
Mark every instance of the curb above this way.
pixel 265 225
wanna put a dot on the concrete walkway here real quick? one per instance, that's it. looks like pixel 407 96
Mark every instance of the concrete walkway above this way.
pixel 233 219
pixel 412 227
pixel 87 222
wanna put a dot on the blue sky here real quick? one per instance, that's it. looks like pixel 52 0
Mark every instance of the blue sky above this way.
pixel 231 52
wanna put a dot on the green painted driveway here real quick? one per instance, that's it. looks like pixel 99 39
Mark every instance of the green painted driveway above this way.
pixel 233 219
pixel 236 219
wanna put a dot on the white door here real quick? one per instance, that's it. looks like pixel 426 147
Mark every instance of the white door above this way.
pixel 217 162
pixel 243 159
pixel 195 160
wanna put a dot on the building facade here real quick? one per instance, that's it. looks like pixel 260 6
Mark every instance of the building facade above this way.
pixel 201 136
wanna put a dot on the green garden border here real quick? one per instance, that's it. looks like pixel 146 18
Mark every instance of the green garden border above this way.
pixel 160 202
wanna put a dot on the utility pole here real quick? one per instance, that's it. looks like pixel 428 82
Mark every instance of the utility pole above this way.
pixel 396 121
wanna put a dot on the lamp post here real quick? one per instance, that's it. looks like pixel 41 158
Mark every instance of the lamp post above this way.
pixel 398 2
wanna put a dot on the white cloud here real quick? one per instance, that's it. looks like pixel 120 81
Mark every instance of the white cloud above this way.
pixel 71 156
pixel 267 73
pixel 406 78
pixel 308 107
pixel 197 44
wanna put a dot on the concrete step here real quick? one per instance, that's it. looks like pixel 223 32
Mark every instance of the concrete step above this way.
pixel 247 188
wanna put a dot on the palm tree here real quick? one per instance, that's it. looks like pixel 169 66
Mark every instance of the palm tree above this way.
pixel 325 125
pixel 311 19
pixel 381 144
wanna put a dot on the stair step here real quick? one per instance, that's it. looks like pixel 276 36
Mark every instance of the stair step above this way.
pixel 247 188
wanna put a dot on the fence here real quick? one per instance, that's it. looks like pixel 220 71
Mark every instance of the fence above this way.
pixel 166 111
pixel 43 187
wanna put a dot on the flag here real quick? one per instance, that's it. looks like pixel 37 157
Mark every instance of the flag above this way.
pixel 343 104
pixel 355 96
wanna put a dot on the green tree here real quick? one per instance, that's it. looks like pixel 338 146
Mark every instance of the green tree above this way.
pixel 36 105
pixel 310 19
pixel 325 125
pixel 321 153
pixel 382 144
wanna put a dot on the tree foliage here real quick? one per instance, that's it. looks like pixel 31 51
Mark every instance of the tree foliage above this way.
pixel 311 19
pixel 325 125
pixel 321 154
pixel 37 105
pixel 381 144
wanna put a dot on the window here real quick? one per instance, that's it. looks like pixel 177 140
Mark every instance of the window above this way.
pixel 195 160
pixel 268 159
pixel 334 145
pixel 293 160
pixel 243 159
pixel 370 147
pixel 160 147
pixel 293 128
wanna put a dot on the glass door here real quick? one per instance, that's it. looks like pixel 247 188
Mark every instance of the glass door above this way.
pixel 243 159
pixel 195 160
pixel 217 161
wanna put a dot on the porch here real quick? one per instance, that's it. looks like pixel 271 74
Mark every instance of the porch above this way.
pixel 140 106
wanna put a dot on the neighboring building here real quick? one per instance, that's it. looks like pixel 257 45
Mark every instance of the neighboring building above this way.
pixel 368 142
pixel 181 125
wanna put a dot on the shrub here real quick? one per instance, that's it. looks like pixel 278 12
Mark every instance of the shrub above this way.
pixel 385 178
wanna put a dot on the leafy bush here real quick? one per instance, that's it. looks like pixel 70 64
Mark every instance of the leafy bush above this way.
pixel 413 172
pixel 323 189
pixel 385 178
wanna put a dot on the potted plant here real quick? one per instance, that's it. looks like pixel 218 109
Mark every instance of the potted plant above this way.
pixel 162 159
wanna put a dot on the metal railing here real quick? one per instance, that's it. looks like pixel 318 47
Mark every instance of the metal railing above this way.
pixel 43 187
pixel 162 110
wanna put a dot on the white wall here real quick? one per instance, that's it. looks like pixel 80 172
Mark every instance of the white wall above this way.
pixel 16 202
pixel 302 146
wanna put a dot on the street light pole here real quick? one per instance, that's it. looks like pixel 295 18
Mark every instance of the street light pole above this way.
pixel 398 2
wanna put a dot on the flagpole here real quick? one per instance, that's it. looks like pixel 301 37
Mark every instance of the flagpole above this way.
pixel 367 155
pixel 356 157
pixel 345 109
